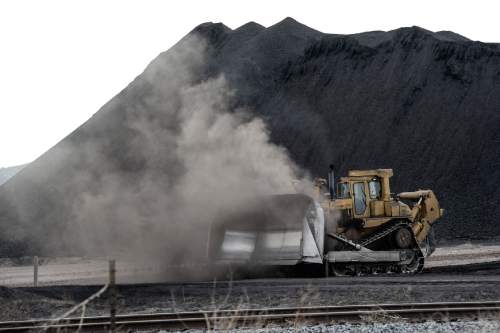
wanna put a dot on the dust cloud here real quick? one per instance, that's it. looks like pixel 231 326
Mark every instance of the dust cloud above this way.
pixel 201 156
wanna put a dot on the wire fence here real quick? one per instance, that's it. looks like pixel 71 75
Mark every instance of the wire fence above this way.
pixel 109 287
pixel 82 306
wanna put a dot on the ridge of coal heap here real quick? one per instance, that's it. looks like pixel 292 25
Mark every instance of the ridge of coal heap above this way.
pixel 425 104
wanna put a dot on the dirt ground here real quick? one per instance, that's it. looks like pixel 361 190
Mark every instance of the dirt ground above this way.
pixel 94 271
pixel 455 272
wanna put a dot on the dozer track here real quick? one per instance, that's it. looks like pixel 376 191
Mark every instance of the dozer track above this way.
pixel 414 262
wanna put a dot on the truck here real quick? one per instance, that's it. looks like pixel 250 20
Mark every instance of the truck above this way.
pixel 353 226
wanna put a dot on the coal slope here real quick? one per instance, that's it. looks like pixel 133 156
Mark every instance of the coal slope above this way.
pixel 426 104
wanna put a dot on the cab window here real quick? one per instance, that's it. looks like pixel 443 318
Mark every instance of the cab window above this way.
pixel 375 189
pixel 343 191
pixel 359 198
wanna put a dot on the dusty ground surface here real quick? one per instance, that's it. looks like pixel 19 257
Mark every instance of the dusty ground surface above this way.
pixel 85 271
pixel 464 254
pixel 459 272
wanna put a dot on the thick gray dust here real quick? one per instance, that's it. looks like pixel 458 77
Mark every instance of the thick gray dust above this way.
pixel 201 157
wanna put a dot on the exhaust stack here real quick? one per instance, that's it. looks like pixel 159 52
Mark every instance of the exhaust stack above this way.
pixel 331 182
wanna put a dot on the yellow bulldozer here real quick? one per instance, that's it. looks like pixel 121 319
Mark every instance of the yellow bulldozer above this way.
pixel 368 225
pixel 355 226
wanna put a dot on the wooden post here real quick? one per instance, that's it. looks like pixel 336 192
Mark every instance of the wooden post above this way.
pixel 35 271
pixel 327 266
pixel 112 295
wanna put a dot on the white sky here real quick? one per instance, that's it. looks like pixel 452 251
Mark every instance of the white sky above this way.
pixel 62 60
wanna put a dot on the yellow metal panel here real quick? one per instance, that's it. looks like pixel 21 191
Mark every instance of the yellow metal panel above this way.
pixel 382 173
pixel 375 222
pixel 343 203
pixel 395 209
pixel 388 209
pixel 377 208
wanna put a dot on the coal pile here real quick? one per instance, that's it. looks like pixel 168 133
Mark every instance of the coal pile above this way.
pixel 426 104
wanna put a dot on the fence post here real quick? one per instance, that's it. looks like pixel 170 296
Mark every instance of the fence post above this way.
pixel 35 271
pixel 112 295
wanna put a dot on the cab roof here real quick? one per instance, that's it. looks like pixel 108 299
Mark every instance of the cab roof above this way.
pixel 382 173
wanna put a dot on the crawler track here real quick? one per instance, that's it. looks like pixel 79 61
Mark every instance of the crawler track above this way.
pixel 260 317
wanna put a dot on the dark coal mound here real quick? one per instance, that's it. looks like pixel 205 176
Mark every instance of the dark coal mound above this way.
pixel 425 104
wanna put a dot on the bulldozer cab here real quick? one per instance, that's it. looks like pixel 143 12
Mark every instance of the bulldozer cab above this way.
pixel 364 192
